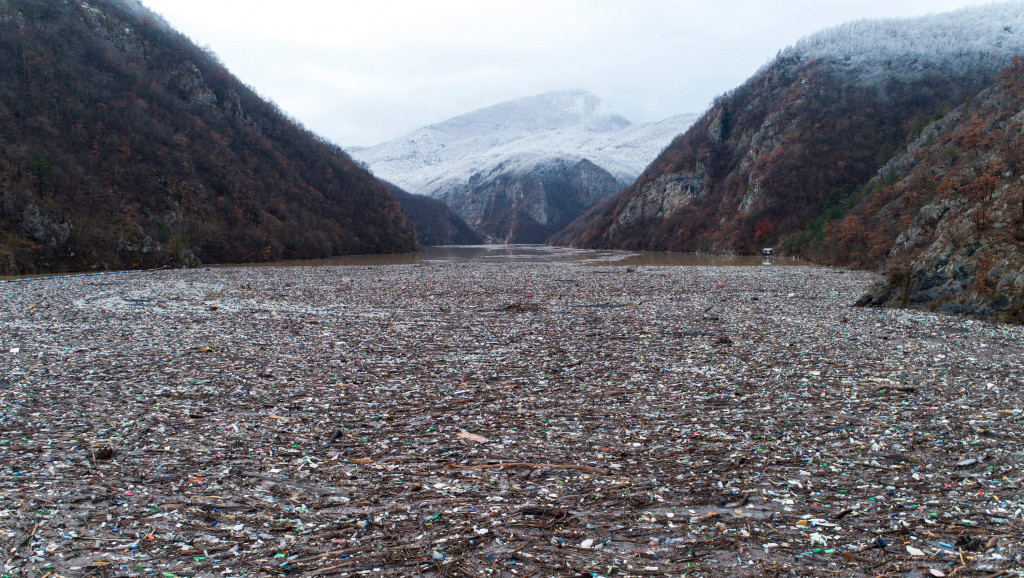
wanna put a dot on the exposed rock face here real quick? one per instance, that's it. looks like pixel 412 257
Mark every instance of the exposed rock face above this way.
pixel 42 229
pixel 526 203
pixel 435 222
pixel 950 210
pixel 803 134
pixel 661 197
pixel 962 281
pixel 124 145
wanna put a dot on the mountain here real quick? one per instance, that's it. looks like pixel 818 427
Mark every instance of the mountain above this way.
pixel 515 171
pixel 527 198
pixel 945 218
pixel 774 160
pixel 434 221
pixel 122 144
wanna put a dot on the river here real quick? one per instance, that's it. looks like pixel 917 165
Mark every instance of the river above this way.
pixel 541 254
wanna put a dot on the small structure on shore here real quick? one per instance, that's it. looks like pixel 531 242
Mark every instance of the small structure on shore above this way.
pixel 767 252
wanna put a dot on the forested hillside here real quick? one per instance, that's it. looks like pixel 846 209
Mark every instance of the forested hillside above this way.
pixel 122 144
pixel 434 221
pixel 945 218
pixel 791 149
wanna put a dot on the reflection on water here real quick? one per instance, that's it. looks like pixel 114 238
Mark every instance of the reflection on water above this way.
pixel 545 254
pixel 540 254
pixel 502 254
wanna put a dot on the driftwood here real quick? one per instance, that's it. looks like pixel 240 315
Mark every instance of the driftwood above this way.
pixel 530 465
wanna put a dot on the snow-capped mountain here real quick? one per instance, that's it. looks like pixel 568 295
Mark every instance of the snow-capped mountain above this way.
pixel 569 124
pixel 533 138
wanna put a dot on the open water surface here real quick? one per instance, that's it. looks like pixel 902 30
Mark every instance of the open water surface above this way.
pixel 502 254
pixel 541 254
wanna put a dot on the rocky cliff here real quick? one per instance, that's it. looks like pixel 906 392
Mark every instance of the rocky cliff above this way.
pixel 526 202
pixel 122 144
pixel 945 218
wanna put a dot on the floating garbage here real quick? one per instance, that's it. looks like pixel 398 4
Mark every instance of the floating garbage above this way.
pixel 454 420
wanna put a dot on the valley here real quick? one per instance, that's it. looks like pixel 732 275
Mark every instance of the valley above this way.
pixel 520 171
pixel 781 337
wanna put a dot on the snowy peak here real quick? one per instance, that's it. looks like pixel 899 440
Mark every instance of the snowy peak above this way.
pixel 523 169
pixel 566 110
pixel 573 125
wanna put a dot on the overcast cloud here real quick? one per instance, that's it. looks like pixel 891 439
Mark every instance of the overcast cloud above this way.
pixel 364 72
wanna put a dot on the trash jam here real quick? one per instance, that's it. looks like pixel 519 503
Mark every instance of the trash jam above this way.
pixel 502 419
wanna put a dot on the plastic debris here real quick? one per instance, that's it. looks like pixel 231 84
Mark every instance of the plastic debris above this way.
pixel 451 419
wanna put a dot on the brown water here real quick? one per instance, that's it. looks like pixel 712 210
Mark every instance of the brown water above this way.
pixel 509 254
pixel 540 254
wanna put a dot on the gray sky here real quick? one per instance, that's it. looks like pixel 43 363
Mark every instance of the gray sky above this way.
pixel 364 72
